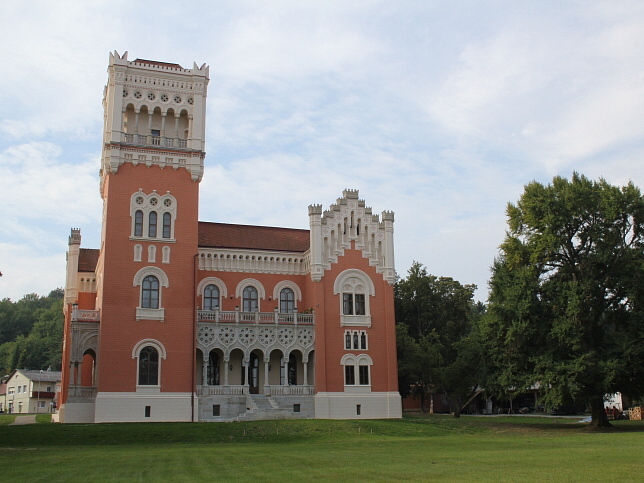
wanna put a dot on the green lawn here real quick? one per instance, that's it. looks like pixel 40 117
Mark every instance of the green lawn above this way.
pixel 414 448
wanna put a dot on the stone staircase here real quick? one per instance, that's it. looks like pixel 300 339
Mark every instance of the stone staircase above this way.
pixel 262 407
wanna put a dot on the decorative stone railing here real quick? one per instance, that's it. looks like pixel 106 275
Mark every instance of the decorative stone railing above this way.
pixel 289 390
pixel 81 315
pixel 150 140
pixel 222 390
pixel 242 390
pixel 82 391
pixel 239 317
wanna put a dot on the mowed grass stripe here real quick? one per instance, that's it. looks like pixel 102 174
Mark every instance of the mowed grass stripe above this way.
pixel 480 449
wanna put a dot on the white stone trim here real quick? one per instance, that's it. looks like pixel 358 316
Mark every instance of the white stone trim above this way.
pixel 156 271
pixel 255 261
pixel 261 293
pixel 160 208
pixel 146 342
pixel 223 291
pixel 287 284
pixel 342 278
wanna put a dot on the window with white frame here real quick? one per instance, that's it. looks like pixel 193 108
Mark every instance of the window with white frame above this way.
pixel 357 369
pixel 153 215
pixel 355 340
pixel 287 301
pixel 211 297
pixel 354 287
pixel 249 299
pixel 150 281
pixel 211 290
pixel 148 353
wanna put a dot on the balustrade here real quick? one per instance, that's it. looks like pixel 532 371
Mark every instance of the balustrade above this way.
pixel 240 317
pixel 150 140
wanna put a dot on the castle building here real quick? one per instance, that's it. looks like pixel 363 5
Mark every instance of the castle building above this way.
pixel 175 319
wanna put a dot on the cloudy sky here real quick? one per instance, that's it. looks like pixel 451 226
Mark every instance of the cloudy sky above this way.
pixel 438 110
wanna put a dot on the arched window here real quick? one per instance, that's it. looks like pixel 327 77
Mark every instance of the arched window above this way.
pixel 148 366
pixel 249 299
pixel 150 210
pixel 138 223
pixel 357 370
pixel 211 297
pixel 152 224
pixel 213 369
pixel 150 292
pixel 355 287
pixel 167 225
pixel 287 301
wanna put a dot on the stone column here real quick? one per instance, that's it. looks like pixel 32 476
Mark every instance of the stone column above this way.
pixel 226 370
pixel 204 369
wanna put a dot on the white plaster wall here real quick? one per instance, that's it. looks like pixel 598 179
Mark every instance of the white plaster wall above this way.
pixel 130 407
pixel 77 412
pixel 374 405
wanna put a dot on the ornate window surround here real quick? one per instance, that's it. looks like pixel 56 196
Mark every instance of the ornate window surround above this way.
pixel 357 362
pixel 287 284
pixel 136 351
pixel 151 314
pixel 219 283
pixel 354 281
pixel 261 293
pixel 166 203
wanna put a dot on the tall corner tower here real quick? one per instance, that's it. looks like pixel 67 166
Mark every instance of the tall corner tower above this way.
pixel 151 166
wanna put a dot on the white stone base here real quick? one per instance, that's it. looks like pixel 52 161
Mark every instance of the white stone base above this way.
pixel 121 407
pixel 373 405
pixel 77 411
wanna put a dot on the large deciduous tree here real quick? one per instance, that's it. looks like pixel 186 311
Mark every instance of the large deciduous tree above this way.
pixel 566 306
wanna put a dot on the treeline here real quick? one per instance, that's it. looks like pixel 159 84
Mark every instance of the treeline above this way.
pixel 31 332
pixel 439 349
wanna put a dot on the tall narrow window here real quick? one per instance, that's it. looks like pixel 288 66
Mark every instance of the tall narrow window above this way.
pixel 138 223
pixel 152 224
pixel 347 304
pixel 150 292
pixel 363 341
pixel 347 340
pixel 349 375
pixel 211 297
pixel 167 224
pixel 249 299
pixel 359 304
pixel 148 366
pixel 287 301
pixel 355 340
pixel 363 373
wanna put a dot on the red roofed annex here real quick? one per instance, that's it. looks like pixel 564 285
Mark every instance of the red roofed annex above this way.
pixel 176 319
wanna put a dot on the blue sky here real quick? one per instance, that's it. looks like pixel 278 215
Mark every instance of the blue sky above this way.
pixel 438 110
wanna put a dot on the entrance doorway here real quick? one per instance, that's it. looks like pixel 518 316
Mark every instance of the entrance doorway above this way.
pixel 253 374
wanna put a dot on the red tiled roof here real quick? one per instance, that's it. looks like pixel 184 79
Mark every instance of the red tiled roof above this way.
pixel 249 237
pixel 154 62
pixel 87 259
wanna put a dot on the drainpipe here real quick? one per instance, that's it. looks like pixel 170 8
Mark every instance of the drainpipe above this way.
pixel 194 337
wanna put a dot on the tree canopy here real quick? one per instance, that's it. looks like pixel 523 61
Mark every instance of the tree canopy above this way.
pixel 566 304
pixel 31 332
pixel 437 351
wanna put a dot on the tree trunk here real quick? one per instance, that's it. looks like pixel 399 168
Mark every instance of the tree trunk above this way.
pixel 598 413
pixel 457 413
